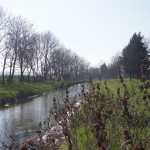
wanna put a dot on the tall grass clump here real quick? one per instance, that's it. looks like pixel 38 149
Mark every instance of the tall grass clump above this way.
pixel 113 118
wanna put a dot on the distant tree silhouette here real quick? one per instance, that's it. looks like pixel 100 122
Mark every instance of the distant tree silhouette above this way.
pixel 104 71
pixel 133 54
pixel 115 67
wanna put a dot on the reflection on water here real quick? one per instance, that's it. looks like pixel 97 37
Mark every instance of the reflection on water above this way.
pixel 23 118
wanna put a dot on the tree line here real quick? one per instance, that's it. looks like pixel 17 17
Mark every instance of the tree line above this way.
pixel 130 62
pixel 36 56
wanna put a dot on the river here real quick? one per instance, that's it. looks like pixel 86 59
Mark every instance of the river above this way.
pixel 21 120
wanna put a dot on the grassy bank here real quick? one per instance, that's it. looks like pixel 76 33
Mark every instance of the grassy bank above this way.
pixel 115 115
pixel 10 93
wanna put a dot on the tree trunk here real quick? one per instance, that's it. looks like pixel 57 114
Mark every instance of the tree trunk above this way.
pixel 3 74
pixel 12 75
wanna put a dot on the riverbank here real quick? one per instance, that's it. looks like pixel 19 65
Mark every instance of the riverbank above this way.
pixel 18 92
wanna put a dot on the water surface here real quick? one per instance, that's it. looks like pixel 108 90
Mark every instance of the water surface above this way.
pixel 22 120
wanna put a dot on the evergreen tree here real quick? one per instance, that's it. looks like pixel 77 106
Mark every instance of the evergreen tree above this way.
pixel 133 54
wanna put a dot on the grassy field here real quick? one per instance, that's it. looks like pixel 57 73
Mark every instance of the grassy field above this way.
pixel 21 91
pixel 114 115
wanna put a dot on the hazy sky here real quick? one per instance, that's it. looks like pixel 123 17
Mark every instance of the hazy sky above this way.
pixel 94 29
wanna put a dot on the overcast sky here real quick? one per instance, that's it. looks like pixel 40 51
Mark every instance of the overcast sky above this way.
pixel 94 29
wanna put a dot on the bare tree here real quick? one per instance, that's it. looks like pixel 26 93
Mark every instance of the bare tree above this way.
pixel 49 43
pixel 5 56
pixel 38 54
pixel 33 56
pixel 25 51
pixel 3 25
pixel 17 40
pixel 115 68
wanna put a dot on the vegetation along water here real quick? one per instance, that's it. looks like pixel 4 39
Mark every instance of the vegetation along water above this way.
pixel 112 114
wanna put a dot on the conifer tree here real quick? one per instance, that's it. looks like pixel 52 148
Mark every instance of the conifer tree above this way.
pixel 133 54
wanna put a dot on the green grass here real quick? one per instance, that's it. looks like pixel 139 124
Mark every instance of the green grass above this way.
pixel 105 99
pixel 7 94
pixel 23 90
pixel 82 139
pixel 17 90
